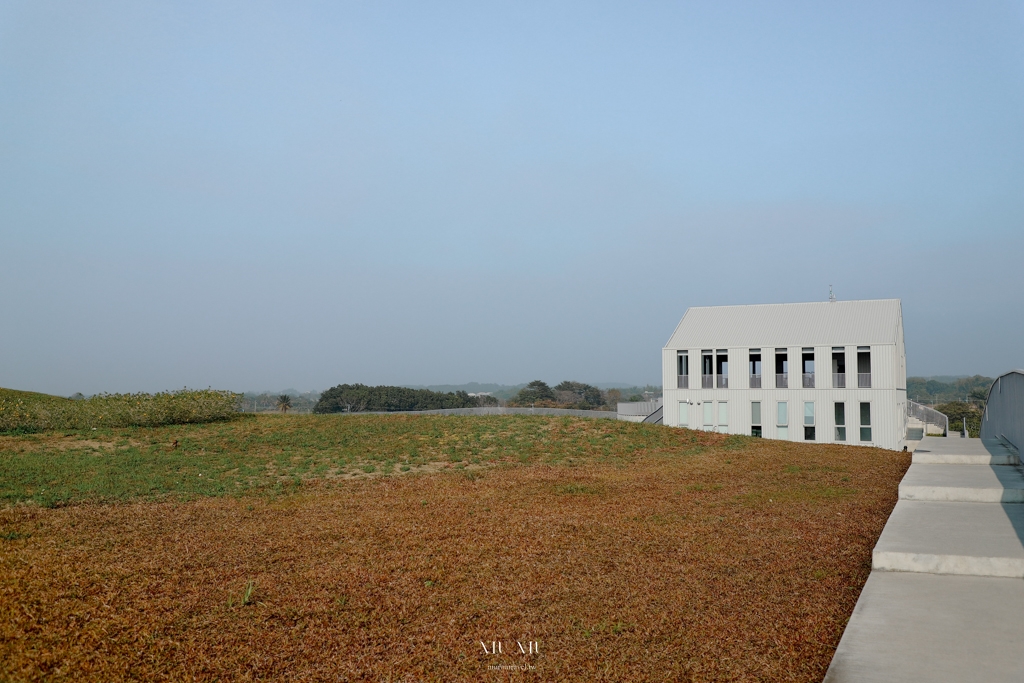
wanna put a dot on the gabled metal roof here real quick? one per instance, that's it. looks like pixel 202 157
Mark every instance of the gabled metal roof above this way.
pixel 839 323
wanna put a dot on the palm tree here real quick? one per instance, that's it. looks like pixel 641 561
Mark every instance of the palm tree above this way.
pixel 284 402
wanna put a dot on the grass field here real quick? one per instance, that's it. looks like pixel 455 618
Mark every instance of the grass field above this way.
pixel 388 547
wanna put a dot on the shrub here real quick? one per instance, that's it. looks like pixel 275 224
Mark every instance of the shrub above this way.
pixel 957 412
pixel 115 410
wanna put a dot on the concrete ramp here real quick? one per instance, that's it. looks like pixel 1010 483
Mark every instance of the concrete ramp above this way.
pixel 946 591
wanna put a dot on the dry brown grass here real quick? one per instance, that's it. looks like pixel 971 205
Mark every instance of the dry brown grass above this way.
pixel 720 561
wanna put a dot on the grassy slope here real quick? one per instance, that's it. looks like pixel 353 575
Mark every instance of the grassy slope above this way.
pixel 27 396
pixel 629 551
pixel 273 452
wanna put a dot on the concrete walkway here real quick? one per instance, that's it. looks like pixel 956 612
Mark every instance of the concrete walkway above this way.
pixel 945 596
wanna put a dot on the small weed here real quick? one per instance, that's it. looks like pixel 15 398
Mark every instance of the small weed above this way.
pixel 792 469
pixel 247 595
pixel 13 536
pixel 369 468
pixel 405 468
pixel 575 489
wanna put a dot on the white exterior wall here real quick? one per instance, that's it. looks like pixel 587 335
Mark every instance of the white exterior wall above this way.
pixel 887 394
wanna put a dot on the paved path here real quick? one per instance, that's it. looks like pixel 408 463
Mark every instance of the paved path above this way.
pixel 945 597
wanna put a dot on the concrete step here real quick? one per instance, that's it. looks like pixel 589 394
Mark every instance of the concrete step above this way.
pixel 936 629
pixel 938 451
pixel 970 539
pixel 926 458
pixel 965 483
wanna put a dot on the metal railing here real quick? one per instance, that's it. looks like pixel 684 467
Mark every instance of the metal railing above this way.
pixel 864 380
pixel 808 380
pixel 682 381
pixel 723 381
pixel 838 380
pixel 929 416
pixel 707 381
pixel 755 381
pixel 782 381
pixel 637 408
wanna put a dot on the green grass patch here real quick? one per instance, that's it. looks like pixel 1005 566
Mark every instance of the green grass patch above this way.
pixel 276 453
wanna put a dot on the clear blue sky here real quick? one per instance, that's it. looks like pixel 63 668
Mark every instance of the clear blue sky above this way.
pixel 256 195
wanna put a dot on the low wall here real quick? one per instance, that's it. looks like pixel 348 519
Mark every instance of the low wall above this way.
pixel 592 414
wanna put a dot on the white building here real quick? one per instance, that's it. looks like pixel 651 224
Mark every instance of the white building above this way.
pixel 828 372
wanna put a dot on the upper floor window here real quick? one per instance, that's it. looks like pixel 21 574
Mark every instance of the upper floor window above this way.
pixel 781 369
pixel 807 367
pixel 838 367
pixel 755 368
pixel 707 369
pixel 864 367
pixel 682 370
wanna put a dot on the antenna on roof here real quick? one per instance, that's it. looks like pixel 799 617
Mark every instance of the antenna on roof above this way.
pixel 831 296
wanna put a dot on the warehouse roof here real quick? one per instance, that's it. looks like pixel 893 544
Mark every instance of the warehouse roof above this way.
pixel 839 323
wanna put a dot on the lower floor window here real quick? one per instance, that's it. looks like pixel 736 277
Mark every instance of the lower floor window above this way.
pixel 840 422
pixel 755 418
pixel 782 421
pixel 808 420
pixel 865 422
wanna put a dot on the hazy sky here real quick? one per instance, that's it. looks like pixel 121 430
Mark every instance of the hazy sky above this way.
pixel 253 195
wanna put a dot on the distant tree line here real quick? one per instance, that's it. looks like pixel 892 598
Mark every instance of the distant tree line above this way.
pixel 358 398
pixel 567 394
pixel 930 391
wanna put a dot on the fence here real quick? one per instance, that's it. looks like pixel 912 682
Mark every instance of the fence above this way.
pixel 636 411
pixel 929 416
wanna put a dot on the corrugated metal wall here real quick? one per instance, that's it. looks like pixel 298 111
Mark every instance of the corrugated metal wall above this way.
pixel 1004 411
pixel 887 395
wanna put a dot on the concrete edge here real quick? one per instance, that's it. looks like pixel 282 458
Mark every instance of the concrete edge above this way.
pixel 939 459
pixel 961 494
pixel 959 565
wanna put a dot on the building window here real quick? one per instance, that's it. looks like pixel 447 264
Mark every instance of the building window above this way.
pixel 722 368
pixel 684 414
pixel 755 418
pixel 838 367
pixel 840 422
pixel 782 420
pixel 865 422
pixel 781 369
pixel 808 420
pixel 707 369
pixel 755 368
pixel 723 416
pixel 709 416
pixel 864 367
pixel 807 367
pixel 682 370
